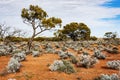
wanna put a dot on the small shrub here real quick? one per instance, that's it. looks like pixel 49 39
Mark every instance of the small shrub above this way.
pixel 99 55
pixel 62 66
pixel 87 61
pixel 73 59
pixel 35 53
pixel 57 45
pixel 56 64
pixel 48 45
pixel 93 38
pixel 50 50
pixel 85 53
pixel 68 68
pixel 114 50
pixel 114 64
pixel 69 54
pixel 13 65
pixel 21 56
pixel 2 52
pixel 5 50
pixel 64 48
pixel 62 54
pixel 108 77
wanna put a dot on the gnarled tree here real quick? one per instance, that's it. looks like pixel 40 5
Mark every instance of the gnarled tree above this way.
pixel 37 18
pixel 7 32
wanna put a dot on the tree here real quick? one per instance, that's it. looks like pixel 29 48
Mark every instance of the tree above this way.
pixel 36 17
pixel 75 30
pixel 110 35
pixel 7 31
pixel 3 31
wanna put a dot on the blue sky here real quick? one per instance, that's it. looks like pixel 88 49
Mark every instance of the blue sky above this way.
pixel 100 15
pixel 113 3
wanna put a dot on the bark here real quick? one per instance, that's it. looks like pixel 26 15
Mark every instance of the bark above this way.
pixel 31 39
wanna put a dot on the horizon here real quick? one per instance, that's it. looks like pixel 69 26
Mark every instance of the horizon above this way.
pixel 99 15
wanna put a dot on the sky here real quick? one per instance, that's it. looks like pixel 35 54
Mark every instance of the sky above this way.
pixel 99 15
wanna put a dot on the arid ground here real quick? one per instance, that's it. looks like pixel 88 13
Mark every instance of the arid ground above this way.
pixel 36 68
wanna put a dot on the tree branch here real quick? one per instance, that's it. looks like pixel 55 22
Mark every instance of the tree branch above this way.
pixel 42 31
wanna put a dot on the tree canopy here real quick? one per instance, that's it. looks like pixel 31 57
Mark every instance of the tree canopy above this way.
pixel 39 20
pixel 75 30
pixel 112 35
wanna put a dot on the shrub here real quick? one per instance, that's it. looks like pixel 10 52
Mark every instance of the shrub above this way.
pixel 64 48
pixel 35 53
pixel 57 45
pixel 56 64
pixel 14 39
pixel 114 64
pixel 21 56
pixel 62 66
pixel 108 77
pixel 87 61
pixel 73 59
pixel 99 55
pixel 62 54
pixel 48 45
pixel 114 50
pixel 13 65
pixel 69 54
pixel 5 50
pixel 93 38
pixel 85 53
pixel 50 50
pixel 2 52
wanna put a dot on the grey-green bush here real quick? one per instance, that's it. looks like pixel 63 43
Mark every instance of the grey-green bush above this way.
pixel 98 54
pixel 62 66
pixel 87 61
pixel 108 77
pixel 115 64
pixel 13 65
pixel 21 56
pixel 35 53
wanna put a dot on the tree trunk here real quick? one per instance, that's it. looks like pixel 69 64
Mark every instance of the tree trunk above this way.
pixel 31 39
pixel 30 42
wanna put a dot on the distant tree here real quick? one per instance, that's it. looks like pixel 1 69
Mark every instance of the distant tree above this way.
pixel 7 31
pixel 75 31
pixel 3 31
pixel 36 17
pixel 110 35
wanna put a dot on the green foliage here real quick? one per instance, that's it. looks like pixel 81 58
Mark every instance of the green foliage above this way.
pixel 51 22
pixel 34 12
pixel 93 38
pixel 73 59
pixel 14 39
pixel 112 35
pixel 72 28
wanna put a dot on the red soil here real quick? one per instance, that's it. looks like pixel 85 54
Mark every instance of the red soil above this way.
pixel 36 68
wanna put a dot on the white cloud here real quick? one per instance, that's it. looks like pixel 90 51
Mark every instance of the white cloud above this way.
pixel 91 12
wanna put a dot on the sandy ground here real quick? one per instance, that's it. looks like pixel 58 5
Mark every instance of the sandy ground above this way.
pixel 36 68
